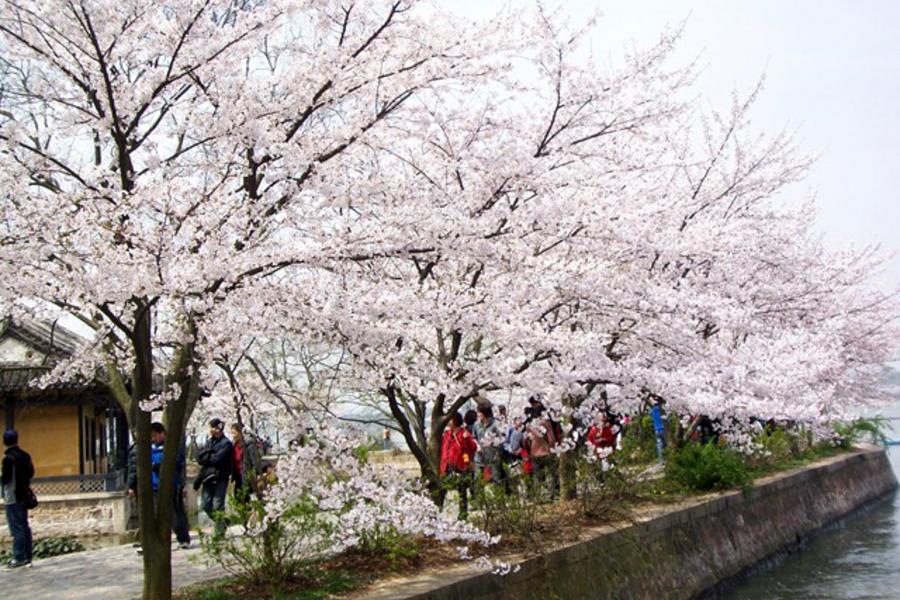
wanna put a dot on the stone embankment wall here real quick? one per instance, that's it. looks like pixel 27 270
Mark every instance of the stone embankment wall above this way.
pixel 396 460
pixel 89 515
pixel 681 551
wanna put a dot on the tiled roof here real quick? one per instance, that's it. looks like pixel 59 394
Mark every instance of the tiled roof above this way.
pixel 56 344
pixel 20 377
pixel 50 339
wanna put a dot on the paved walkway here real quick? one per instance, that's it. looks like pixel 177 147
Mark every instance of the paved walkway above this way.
pixel 114 573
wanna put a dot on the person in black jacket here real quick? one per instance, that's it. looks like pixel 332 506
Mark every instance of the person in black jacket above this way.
pixel 16 479
pixel 216 459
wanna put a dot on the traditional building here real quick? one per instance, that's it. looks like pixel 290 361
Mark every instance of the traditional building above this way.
pixel 75 431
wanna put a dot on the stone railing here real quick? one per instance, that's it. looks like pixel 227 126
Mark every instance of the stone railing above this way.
pixel 76 484
pixel 78 515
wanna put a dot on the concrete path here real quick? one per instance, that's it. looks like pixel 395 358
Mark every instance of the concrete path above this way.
pixel 113 573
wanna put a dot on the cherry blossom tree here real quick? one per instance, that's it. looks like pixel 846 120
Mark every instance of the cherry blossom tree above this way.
pixel 609 243
pixel 161 158
pixel 494 202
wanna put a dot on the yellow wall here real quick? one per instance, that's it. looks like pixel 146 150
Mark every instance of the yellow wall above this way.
pixel 50 435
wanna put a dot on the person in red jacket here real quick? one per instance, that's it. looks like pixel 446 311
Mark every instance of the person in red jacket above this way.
pixel 602 437
pixel 457 452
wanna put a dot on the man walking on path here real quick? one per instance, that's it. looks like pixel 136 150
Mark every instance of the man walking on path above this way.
pixel 179 518
pixel 216 459
pixel 16 481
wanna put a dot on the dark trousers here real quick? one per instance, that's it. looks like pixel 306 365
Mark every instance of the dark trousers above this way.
pixel 214 502
pixel 179 518
pixel 17 519
pixel 461 481
pixel 545 468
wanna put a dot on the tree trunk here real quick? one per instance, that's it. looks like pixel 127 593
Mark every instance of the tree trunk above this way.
pixel 429 456
pixel 156 517
pixel 429 459
pixel 568 475
pixel 157 565
pixel 435 484
pixel 568 463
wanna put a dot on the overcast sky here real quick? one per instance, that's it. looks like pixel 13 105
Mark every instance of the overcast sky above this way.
pixel 832 74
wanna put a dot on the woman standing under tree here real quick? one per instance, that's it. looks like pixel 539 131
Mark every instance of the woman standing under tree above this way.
pixel 247 464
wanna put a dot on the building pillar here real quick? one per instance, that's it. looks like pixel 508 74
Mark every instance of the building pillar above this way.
pixel 80 438
pixel 10 413
pixel 121 440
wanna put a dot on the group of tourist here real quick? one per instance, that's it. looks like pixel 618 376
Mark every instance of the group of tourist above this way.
pixel 489 448
pixel 222 462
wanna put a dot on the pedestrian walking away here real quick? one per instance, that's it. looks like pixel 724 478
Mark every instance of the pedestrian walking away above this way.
pixel 18 497
pixel 659 428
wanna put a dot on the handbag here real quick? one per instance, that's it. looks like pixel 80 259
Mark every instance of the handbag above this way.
pixel 206 475
pixel 31 501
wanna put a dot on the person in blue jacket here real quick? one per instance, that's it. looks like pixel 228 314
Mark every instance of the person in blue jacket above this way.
pixel 179 518
pixel 659 426
pixel 157 447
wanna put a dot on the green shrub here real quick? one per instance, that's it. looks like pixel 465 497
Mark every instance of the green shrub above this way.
pixel 47 547
pixel 708 467
pixel 361 453
pixel 501 513
pixel 873 430
pixel 273 550
pixel 387 543
pixel 638 442
pixel 602 495
pixel 775 447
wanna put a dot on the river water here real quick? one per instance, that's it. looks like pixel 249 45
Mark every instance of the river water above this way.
pixel 859 558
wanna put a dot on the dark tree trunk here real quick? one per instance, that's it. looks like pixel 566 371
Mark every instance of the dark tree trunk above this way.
pixel 155 517
pixel 429 455
pixel 568 475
